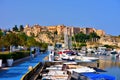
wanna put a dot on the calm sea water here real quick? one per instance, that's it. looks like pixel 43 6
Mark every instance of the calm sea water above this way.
pixel 111 64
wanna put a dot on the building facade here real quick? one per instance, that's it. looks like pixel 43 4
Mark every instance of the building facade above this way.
pixel 52 28
pixel 75 30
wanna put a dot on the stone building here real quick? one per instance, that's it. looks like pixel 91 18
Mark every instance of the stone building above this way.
pixel 75 30
pixel 44 29
pixel 60 29
pixel 36 29
pixel 52 28
pixel 90 30
pixel 87 30
pixel 83 30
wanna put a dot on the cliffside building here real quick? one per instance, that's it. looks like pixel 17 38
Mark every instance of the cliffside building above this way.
pixel 75 30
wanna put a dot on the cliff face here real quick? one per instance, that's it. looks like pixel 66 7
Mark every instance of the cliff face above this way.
pixel 48 34
pixel 60 29
pixel 105 40
pixel 49 37
pixel 110 40
pixel 43 38
pixel 53 34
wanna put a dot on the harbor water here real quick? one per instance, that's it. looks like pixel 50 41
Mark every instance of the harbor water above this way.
pixel 111 64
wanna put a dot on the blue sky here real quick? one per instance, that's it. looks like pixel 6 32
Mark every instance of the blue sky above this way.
pixel 99 14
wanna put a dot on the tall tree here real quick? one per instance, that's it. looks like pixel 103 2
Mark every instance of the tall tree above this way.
pixel 31 41
pixel 15 28
pixel 80 37
pixel 94 37
pixel 12 39
pixel 21 28
pixel 1 33
pixel 23 38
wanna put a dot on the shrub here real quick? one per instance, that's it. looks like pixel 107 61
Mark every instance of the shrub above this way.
pixel 3 57
pixel 15 55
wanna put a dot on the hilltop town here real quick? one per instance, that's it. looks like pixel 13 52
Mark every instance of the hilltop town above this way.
pixel 53 34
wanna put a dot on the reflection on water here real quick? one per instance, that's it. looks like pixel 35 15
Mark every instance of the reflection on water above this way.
pixel 109 61
pixel 111 64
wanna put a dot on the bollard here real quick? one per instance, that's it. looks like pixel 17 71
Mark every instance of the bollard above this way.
pixel 30 68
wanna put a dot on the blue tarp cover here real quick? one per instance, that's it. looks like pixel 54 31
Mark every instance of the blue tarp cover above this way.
pixel 95 76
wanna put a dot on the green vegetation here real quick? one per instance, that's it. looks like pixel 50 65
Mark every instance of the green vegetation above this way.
pixel 21 28
pixel 14 55
pixel 11 39
pixel 74 45
pixel 83 44
pixel 19 38
pixel 108 46
pixel 111 46
pixel 1 33
pixel 55 33
pixel 9 56
pixel 82 38
pixel 15 28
